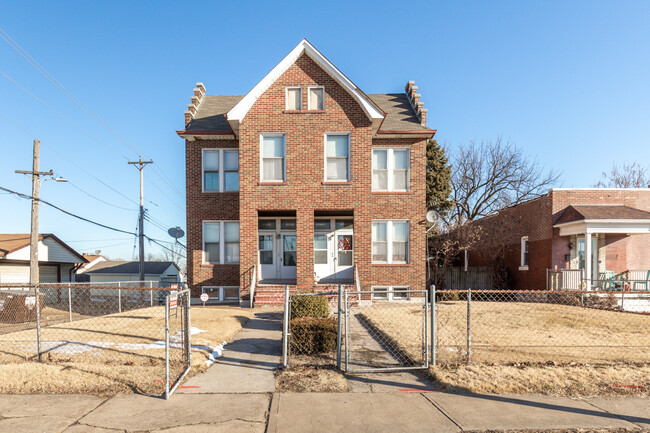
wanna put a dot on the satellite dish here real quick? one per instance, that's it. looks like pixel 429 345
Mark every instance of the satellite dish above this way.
pixel 176 232
pixel 432 216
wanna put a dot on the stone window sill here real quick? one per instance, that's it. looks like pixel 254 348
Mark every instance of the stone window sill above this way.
pixel 303 111
pixel 523 268
pixel 336 183
pixel 272 183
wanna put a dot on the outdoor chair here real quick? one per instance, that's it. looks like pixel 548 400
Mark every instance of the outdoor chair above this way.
pixel 645 283
pixel 606 280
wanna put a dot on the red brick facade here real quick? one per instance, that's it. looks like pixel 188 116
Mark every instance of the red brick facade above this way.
pixel 549 250
pixel 305 191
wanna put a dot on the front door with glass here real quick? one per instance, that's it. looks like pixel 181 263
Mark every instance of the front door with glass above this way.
pixel 277 249
pixel 333 250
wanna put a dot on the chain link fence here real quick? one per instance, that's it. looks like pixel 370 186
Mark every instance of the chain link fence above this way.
pixel 311 329
pixel 383 335
pixel 513 327
pixel 114 332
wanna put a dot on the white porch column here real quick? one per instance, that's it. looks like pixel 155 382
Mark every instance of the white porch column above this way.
pixel 588 261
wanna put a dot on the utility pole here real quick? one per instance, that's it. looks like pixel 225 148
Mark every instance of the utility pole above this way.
pixel 140 165
pixel 33 238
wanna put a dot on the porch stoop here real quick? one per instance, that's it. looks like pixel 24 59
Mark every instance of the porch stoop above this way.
pixel 272 295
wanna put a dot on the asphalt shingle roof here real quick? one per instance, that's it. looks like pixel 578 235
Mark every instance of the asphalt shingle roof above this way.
pixel 604 212
pixel 115 267
pixel 400 115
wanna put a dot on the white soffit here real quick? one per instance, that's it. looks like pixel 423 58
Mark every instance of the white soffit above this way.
pixel 238 112
pixel 632 226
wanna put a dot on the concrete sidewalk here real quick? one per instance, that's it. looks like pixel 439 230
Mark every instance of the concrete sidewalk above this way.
pixel 318 412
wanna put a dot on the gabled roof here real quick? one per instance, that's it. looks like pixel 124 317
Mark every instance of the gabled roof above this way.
pixel 601 212
pixel 399 113
pixel 122 268
pixel 211 115
pixel 239 111
pixel 10 242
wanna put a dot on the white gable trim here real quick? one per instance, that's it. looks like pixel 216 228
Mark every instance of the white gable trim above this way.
pixel 239 111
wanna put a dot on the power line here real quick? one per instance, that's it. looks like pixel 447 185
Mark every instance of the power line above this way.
pixel 99 199
pixel 20 50
pixel 29 197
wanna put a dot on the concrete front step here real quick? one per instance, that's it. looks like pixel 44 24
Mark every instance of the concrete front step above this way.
pixel 273 295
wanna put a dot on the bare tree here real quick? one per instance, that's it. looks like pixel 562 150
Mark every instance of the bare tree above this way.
pixel 628 176
pixel 492 175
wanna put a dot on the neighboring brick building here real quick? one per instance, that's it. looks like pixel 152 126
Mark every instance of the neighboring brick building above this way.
pixel 548 233
pixel 305 181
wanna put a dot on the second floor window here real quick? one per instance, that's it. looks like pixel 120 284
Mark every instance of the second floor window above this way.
pixel 273 158
pixel 220 169
pixel 337 158
pixel 220 242
pixel 390 242
pixel 390 170
pixel 294 98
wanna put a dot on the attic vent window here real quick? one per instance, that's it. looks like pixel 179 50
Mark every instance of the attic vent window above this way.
pixel 316 98
pixel 294 98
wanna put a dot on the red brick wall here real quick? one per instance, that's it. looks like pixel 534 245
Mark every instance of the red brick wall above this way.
pixel 304 191
pixel 202 207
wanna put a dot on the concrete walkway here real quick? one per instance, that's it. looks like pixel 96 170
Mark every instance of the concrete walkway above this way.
pixel 248 363
pixel 318 412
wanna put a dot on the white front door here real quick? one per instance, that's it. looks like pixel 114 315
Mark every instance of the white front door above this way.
pixel 289 256
pixel 333 250
pixel 267 255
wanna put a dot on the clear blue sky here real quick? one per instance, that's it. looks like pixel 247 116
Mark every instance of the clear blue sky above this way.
pixel 566 81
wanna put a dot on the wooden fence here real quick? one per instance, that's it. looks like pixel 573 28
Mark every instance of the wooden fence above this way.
pixel 476 278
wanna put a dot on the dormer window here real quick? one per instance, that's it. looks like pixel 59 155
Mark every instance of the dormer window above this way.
pixel 294 98
pixel 316 98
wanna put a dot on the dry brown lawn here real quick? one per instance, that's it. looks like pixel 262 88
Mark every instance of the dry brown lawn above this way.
pixel 110 354
pixel 311 374
pixel 529 347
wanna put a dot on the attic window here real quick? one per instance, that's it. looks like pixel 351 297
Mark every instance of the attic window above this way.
pixel 316 98
pixel 294 98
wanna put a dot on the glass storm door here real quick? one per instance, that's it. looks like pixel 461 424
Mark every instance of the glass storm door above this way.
pixel 322 254
pixel 288 259
pixel 267 256
pixel 344 255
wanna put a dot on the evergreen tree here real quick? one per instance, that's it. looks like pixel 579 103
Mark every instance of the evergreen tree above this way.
pixel 438 178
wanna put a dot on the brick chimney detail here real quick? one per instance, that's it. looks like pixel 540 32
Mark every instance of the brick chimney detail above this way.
pixel 197 97
pixel 412 92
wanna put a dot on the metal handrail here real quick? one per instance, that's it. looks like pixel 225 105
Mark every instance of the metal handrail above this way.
pixel 253 281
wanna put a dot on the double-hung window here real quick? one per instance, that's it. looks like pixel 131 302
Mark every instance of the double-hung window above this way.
pixel 220 168
pixel 273 158
pixel 390 169
pixel 294 99
pixel 390 242
pixel 220 242
pixel 337 157
pixel 316 98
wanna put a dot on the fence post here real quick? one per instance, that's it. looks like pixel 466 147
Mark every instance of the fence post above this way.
pixel 119 298
pixel 338 331
pixel 347 330
pixel 151 297
pixel 69 303
pixel 433 325
pixel 167 346
pixel 425 319
pixel 38 321
pixel 285 328
pixel 623 299
pixel 469 327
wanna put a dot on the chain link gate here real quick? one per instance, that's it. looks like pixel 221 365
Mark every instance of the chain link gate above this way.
pixel 383 335
pixel 178 354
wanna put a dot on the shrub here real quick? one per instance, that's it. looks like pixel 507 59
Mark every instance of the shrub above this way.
pixel 313 335
pixel 309 306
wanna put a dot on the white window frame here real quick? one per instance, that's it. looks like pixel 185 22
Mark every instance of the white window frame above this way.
pixel 524 241
pixel 222 242
pixel 286 98
pixel 390 168
pixel 309 98
pixel 221 292
pixel 389 242
pixel 284 158
pixel 325 180
pixel 389 293
pixel 221 171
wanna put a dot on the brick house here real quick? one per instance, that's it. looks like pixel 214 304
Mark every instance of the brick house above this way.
pixel 305 181
pixel 547 240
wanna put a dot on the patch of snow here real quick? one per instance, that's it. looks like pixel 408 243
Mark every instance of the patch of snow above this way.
pixel 217 352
